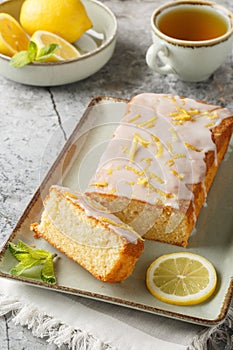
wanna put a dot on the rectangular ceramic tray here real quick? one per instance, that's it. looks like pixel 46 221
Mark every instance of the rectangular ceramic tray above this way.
pixel 212 238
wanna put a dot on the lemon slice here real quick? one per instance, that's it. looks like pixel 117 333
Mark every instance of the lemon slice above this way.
pixel 66 50
pixel 12 36
pixel 181 278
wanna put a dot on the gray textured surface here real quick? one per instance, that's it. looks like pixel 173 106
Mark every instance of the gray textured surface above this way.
pixel 29 116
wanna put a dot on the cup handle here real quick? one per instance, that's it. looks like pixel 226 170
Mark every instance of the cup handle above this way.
pixel 160 51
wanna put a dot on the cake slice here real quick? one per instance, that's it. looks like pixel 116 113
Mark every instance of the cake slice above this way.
pixel 159 166
pixel 89 234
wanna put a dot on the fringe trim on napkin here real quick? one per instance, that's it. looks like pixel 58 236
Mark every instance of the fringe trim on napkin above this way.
pixel 217 337
pixel 44 326
pixel 52 330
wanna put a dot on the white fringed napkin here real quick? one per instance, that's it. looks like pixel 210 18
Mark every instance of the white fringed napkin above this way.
pixel 86 324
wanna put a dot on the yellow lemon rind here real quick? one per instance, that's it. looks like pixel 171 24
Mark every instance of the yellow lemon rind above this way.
pixel 68 19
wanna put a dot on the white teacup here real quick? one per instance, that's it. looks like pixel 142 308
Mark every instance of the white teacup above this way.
pixel 191 39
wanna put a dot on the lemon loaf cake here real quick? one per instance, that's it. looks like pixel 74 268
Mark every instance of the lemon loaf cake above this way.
pixel 88 234
pixel 159 166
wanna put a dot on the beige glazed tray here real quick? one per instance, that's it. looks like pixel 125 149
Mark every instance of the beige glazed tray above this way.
pixel 212 238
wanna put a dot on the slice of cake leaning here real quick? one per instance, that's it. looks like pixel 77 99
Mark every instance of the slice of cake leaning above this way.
pixel 159 166
pixel 88 234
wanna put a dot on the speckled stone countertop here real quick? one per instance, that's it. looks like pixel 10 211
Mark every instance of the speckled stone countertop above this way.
pixel 29 116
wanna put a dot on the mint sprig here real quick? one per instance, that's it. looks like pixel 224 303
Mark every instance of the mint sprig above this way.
pixel 33 54
pixel 29 258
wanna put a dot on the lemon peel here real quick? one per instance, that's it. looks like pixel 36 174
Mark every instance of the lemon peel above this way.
pixel 67 19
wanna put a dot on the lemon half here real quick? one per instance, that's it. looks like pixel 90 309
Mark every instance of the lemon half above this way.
pixel 66 50
pixel 181 278
pixel 12 36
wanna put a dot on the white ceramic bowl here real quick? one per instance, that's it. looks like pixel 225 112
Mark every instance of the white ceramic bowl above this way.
pixel 59 73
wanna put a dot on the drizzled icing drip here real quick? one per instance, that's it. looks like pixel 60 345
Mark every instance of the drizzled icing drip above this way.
pixel 158 149
pixel 95 210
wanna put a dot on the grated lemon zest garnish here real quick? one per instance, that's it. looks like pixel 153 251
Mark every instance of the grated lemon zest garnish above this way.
pixel 183 115
pixel 134 170
pixel 130 182
pixel 112 191
pixel 162 193
pixel 158 145
pixel 180 122
pixel 209 125
pixel 149 126
pixel 109 221
pixel 149 121
pixel 174 172
pixel 137 139
pixel 148 160
pixel 137 116
pixel 194 111
pixel 169 146
pixel 118 167
pixel 214 116
pixel 142 181
pixel 180 111
pixel 99 184
pixel 171 98
pixel 71 195
pixel 170 162
pixel 208 114
pixel 191 147
pixel 157 178
pixel 178 155
pixel 141 140
pixel 133 150
pixel 109 171
pixel 159 201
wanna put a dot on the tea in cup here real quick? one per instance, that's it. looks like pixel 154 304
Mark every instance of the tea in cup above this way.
pixel 191 39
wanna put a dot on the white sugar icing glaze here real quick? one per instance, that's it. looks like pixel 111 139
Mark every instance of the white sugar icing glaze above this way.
pixel 96 211
pixel 158 149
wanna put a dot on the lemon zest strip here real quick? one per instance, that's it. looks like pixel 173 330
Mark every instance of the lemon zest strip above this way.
pixel 191 147
pixel 99 184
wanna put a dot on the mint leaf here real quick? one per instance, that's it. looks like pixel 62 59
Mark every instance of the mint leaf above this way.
pixel 35 253
pixel 47 272
pixel 46 51
pixel 29 258
pixel 15 249
pixel 20 59
pixel 32 50
pixel 32 54
pixel 27 263
pixel 18 252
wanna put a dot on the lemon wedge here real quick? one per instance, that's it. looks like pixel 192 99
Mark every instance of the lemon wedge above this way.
pixel 12 36
pixel 66 50
pixel 181 278
pixel 67 19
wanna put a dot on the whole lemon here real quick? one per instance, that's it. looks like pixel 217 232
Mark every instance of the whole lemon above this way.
pixel 66 18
